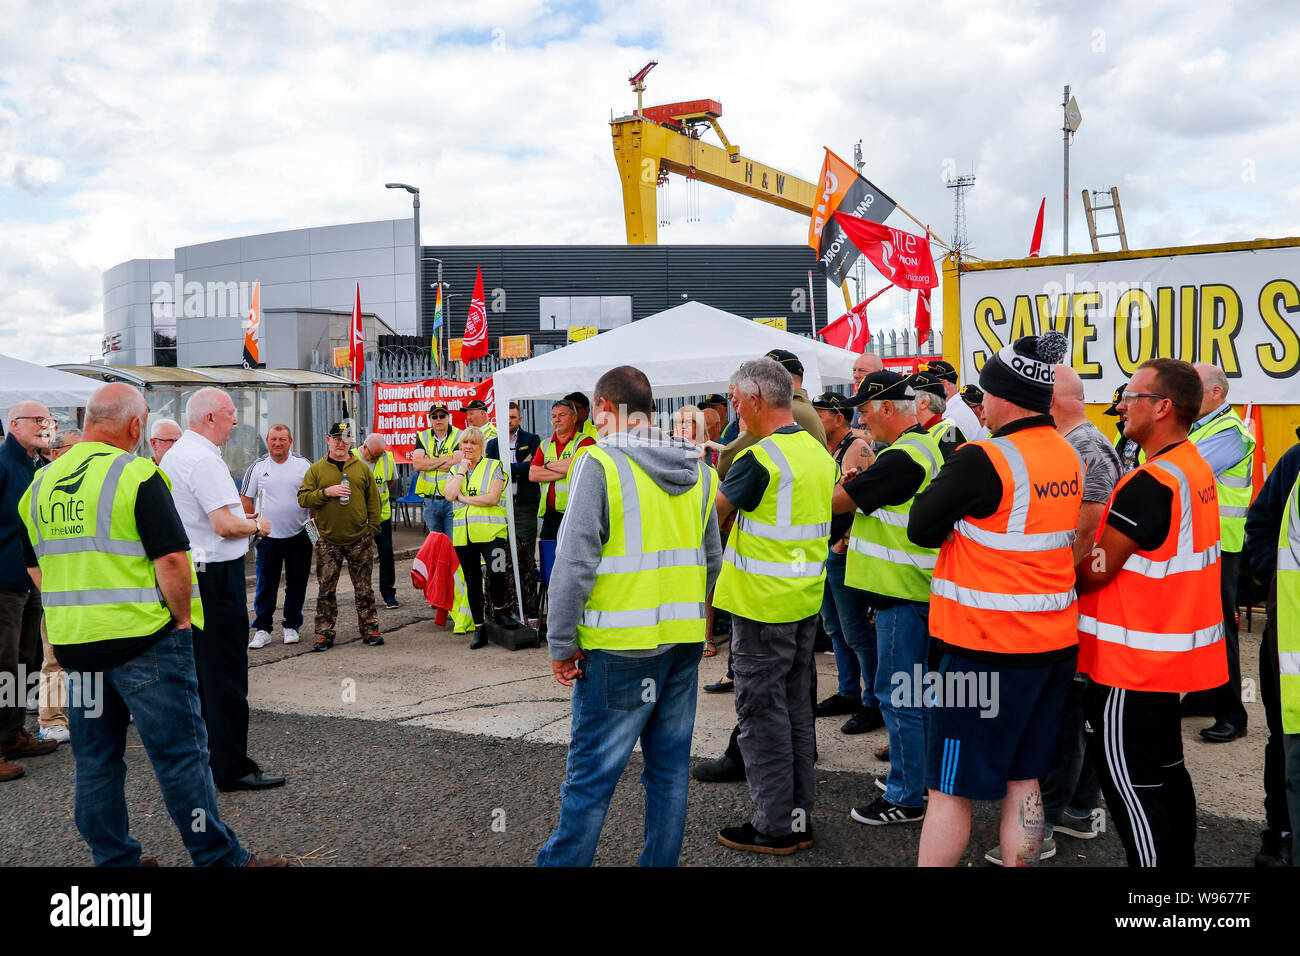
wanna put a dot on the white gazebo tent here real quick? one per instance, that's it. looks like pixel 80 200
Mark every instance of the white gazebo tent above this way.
pixel 692 349
pixel 27 382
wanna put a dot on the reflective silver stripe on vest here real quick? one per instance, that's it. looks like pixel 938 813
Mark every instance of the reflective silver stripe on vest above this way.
pixel 35 506
pixel 774 569
pixel 885 516
pixel 105 596
pixel 873 550
pixel 1020 490
pixel 911 442
pixel 1046 541
pixel 990 601
pixel 1147 641
pixel 798 532
pixel 1178 564
pixel 1289 663
pixel 102 541
pixel 784 488
pixel 484 519
pixel 709 494
pixel 1232 481
pixel 644 617
pixel 1186 537
pixel 1288 555
pixel 1227 511
pixel 636 558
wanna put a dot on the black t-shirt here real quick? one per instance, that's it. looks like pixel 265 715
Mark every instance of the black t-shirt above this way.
pixel 746 480
pixel 840 524
pixel 161 533
pixel 1143 509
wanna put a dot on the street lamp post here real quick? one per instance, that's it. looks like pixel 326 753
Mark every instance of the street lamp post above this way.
pixel 419 299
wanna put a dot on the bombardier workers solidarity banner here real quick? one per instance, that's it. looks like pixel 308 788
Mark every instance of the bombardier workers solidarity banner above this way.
pixel 1237 309
pixel 842 189
pixel 401 408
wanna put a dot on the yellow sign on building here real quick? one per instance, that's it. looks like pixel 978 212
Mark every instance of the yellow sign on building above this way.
pixel 579 332
pixel 773 321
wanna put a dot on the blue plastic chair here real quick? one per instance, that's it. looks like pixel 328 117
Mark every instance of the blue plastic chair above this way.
pixel 407 500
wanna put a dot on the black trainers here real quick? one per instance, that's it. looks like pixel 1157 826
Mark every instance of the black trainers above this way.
pixel 1274 850
pixel 836 706
pixel 718 770
pixel 322 644
pixel 864 721
pixel 747 838
pixel 882 812
pixel 373 640
pixel 391 603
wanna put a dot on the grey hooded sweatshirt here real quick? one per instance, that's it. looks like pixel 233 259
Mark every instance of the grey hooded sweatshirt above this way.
pixel 673 465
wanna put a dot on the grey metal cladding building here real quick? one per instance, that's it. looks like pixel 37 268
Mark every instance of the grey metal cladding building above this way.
pixel 752 281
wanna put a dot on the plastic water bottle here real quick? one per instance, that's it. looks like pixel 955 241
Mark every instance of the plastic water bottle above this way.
pixel 347 497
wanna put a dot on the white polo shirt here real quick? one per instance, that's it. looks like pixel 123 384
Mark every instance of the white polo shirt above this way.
pixel 279 483
pixel 201 483
pixel 959 414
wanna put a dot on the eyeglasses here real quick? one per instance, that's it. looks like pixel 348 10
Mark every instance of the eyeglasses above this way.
pixel 165 441
pixel 44 422
pixel 1128 396
pixel 439 415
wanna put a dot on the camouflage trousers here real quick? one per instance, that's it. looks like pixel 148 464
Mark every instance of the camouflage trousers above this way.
pixel 360 558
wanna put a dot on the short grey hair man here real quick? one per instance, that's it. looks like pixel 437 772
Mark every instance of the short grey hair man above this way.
pixel 766 379
pixel 163 424
pixel 933 402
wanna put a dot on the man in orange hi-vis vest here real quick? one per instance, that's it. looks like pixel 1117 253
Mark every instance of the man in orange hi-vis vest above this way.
pixel 1003 610
pixel 1150 622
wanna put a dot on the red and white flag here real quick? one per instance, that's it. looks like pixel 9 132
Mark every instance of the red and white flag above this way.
pixel 922 316
pixel 253 330
pixel 475 344
pixel 902 258
pixel 357 343
pixel 851 331
pixel 1036 243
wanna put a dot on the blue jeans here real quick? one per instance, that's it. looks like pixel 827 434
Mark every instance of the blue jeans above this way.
pixel 617 700
pixel 295 555
pixel 160 690
pixel 846 617
pixel 437 515
pixel 903 639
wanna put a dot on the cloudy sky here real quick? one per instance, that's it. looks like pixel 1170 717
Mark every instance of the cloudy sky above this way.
pixel 127 129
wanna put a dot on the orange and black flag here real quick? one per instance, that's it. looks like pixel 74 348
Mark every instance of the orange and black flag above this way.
pixel 253 330
pixel 841 188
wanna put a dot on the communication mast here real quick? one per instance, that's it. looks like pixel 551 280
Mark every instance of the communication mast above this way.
pixel 959 185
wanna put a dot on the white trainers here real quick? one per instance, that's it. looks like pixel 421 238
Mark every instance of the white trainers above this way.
pixel 290 636
pixel 260 639
pixel 55 732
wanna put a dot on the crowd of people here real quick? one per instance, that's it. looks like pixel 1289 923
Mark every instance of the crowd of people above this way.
pixel 1027 608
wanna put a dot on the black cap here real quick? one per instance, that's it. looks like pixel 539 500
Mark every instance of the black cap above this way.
pixel 885 384
pixel 787 360
pixel 341 430
pixel 831 402
pixel 1114 403
pixel 971 394
pixel 438 407
pixel 927 382
pixel 715 399
pixel 939 369
pixel 476 405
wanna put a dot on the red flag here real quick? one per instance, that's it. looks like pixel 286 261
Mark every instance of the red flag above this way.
pixel 849 331
pixel 253 330
pixel 357 344
pixel 475 344
pixel 922 316
pixel 1254 416
pixel 1037 243
pixel 902 258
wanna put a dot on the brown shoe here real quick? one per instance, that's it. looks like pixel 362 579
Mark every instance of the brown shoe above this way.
pixel 255 860
pixel 25 745
pixel 9 771
pixel 148 861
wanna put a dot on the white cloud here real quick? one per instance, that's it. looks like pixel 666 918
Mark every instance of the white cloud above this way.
pixel 126 131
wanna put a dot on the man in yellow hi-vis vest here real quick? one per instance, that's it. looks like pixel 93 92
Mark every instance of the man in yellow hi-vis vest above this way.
pixel 107 548
pixel 772 580
pixel 635 560
pixel 1224 441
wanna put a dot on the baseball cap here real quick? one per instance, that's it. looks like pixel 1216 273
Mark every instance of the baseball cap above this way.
pixel 940 369
pixel 971 394
pixel 1114 402
pixel 885 384
pixel 476 405
pixel 341 430
pixel 438 407
pixel 787 360
pixel 831 402
pixel 927 382
pixel 714 399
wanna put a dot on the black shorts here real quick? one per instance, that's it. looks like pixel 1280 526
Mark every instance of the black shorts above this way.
pixel 992 724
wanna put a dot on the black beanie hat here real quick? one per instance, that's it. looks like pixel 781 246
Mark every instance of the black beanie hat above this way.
pixel 1023 373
